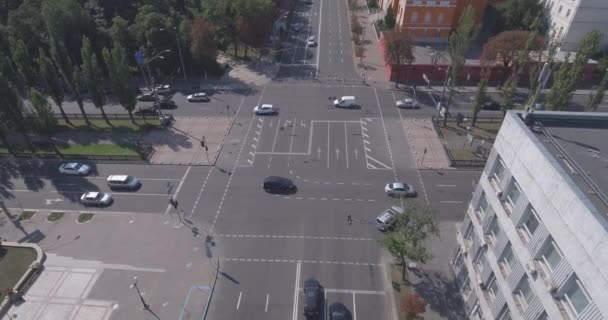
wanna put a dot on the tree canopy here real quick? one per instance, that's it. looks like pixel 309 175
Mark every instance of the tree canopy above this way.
pixel 519 15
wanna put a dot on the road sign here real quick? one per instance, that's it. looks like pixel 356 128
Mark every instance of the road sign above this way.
pixel 139 57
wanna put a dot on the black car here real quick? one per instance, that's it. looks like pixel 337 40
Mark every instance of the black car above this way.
pixel 312 294
pixel 490 105
pixel 165 104
pixel 146 111
pixel 274 184
pixel 338 311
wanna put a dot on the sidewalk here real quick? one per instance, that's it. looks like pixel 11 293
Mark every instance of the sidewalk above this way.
pixel 255 72
pixel 372 67
pixel 426 146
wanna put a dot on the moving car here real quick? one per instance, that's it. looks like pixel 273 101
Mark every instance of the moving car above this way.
pixel 146 97
pixel 490 105
pixel 399 189
pixel 275 184
pixel 164 89
pixel 338 311
pixel 311 41
pixel 312 295
pixel 146 111
pixel 345 102
pixel 198 97
pixel 74 168
pixel 123 182
pixel 265 109
pixel 386 220
pixel 95 198
pixel 407 103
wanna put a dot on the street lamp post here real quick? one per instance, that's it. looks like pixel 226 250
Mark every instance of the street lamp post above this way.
pixel 181 58
pixel 153 85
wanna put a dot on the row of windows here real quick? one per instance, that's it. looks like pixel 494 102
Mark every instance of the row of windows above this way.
pixel 427 18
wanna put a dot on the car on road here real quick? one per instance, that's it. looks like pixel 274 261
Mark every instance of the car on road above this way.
pixel 386 220
pixel 345 102
pixel 121 181
pixel 265 109
pixel 75 168
pixel 399 190
pixel 338 311
pixel 165 104
pixel 198 97
pixel 491 105
pixel 95 198
pixel 311 43
pixel 312 297
pixel 146 97
pixel 275 184
pixel 164 89
pixel 407 103
pixel 146 111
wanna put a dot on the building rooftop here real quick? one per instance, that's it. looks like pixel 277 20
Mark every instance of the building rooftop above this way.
pixel 579 143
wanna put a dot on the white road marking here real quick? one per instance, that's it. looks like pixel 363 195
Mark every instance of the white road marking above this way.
pixel 280 236
pixel 385 166
pixel 179 187
pixel 319 39
pixel 238 303
pixel 328 134
pixel 445 185
pixel 350 263
pixel 388 143
pixel 296 294
pixel 343 199
pixel 347 291
pixel 354 308
pixel 267 298
pixel 236 162
pixel 346 145
pixel 293 131
pixel 275 141
pixel 450 201
pixel 201 192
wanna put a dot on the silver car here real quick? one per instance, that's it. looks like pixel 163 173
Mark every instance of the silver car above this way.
pixel 198 97
pixel 399 189
pixel 94 198
pixel 407 103
pixel 265 109
pixel 74 168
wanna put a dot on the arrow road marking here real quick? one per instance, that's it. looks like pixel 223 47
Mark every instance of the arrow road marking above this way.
pixel 319 153
pixel 357 154
pixel 49 202
pixel 337 154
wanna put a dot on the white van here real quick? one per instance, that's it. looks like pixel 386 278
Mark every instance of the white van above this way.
pixel 122 181
pixel 345 102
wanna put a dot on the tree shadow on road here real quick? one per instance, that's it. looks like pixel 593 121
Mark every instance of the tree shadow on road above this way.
pixel 439 292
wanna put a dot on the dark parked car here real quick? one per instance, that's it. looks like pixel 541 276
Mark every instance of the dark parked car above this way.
pixel 274 184
pixel 338 311
pixel 312 297
pixel 490 105
pixel 165 104
pixel 146 111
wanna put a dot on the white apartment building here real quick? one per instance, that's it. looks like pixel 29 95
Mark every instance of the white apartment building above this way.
pixel 534 241
pixel 572 19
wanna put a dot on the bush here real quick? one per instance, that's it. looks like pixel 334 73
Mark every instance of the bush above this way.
pixel 54 216
pixel 355 26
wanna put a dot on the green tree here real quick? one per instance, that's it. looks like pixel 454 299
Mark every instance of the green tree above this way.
pixel 406 241
pixel 480 97
pixel 570 73
pixel 398 49
pixel 24 63
pixel 43 119
pixel 596 96
pixel 508 94
pixel 12 110
pixel 519 15
pixel 93 76
pixel 459 44
pixel 203 45
pixel 389 18
pixel 50 84
pixel 26 23
pixel 118 68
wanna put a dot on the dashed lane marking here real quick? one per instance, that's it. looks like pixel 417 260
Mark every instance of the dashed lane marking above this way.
pixel 325 199
pixel 328 182
pixel 351 263
pixel 279 236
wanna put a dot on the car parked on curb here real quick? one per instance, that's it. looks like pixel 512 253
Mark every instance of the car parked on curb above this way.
pixel 146 111
pixel 275 184
pixel 265 109
pixel 491 105
pixel 407 103
pixel 75 168
pixel 123 182
pixel 95 198
pixel 386 220
pixel 312 298
pixel 399 190
pixel 164 89
pixel 198 97
pixel 146 97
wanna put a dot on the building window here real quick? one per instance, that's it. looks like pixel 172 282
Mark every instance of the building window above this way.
pixel 568 13
pixel 513 195
pixel 458 263
pixel 550 257
pixel 482 206
pixel 561 31
pixel 543 316
pixel 481 261
pixel 427 17
pixel 493 231
pixel 524 293
pixel 466 288
pixel 575 299
pixel 492 290
pixel 530 224
pixel 505 314
pixel 440 18
pixel 507 261
pixel 468 236
pixel 477 314
pixel 560 9
pixel 414 17
pixel 498 173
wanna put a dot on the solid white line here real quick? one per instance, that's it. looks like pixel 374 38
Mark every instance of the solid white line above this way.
pixel 450 201
pixel 80 192
pixel 275 140
pixel 388 143
pixel 293 131
pixel 337 121
pixel 319 39
pixel 354 308
pixel 179 187
pixel 296 293
pixel 347 291
pixel 284 153
pixel 445 185
pixel 238 303
pixel 328 145
pixel 200 192
pixel 80 211
pixel 312 126
pixel 346 144
pixel 266 308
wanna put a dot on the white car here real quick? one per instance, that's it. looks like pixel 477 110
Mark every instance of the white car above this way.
pixel 399 189
pixel 265 109
pixel 311 43
pixel 75 168
pixel 164 89
pixel 123 182
pixel 95 198
pixel 198 97
pixel 407 103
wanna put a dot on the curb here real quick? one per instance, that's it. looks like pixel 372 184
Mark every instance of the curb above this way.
pixel 28 276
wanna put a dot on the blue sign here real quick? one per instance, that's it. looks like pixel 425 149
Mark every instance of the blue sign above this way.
pixel 139 57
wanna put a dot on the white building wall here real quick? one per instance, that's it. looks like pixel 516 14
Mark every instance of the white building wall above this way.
pixel 585 16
